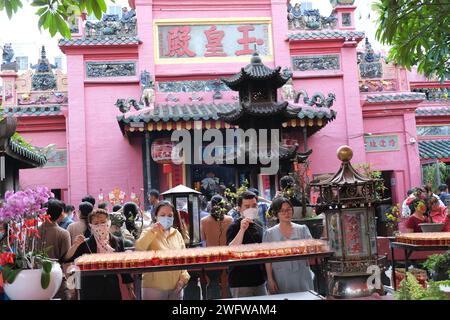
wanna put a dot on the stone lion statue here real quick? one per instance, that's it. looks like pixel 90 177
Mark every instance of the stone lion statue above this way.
pixel 288 91
pixel 8 53
pixel 148 95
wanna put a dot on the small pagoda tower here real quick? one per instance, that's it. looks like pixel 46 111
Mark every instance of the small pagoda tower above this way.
pixel 257 85
pixel 43 79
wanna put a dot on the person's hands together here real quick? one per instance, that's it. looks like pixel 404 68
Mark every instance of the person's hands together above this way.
pixel 79 239
pixel 245 223
pixel 156 227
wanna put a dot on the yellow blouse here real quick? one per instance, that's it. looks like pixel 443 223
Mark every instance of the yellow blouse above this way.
pixel 151 240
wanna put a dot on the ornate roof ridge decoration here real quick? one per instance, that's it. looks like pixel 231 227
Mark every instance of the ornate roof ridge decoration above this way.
pixel 32 110
pixel 299 19
pixel 440 94
pixel 112 25
pixel 257 71
pixel 43 78
pixel 304 107
pixel 434 149
pixel 343 3
pixel 395 97
pixel 433 111
pixel 104 41
pixel 7 55
pixel 326 35
pixel 111 30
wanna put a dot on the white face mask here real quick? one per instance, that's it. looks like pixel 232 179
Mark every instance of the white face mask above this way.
pixel 165 221
pixel 250 213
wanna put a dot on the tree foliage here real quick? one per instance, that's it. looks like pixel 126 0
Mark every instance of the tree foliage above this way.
pixel 419 33
pixel 56 15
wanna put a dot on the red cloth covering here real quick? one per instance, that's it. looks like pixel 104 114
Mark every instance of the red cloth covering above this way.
pixel 413 223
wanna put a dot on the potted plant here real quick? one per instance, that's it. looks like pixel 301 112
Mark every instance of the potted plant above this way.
pixel 438 265
pixel 410 289
pixel 393 217
pixel 27 272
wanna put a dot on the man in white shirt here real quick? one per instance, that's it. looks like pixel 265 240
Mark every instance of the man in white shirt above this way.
pixel 406 212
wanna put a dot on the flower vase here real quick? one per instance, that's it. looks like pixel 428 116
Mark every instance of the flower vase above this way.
pixel 27 285
pixel 391 231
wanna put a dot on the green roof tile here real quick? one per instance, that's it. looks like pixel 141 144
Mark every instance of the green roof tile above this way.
pixel 195 112
pixel 325 34
pixel 386 97
pixel 433 111
pixel 434 149
pixel 99 41
pixel 31 110
pixel 37 158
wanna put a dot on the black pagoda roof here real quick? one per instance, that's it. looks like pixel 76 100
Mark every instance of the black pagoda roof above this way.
pixel 257 71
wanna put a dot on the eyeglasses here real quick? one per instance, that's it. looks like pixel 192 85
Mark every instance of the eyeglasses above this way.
pixel 286 211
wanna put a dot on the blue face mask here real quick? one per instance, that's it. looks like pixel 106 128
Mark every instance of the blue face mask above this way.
pixel 165 221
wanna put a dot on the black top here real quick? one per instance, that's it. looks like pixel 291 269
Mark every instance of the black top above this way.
pixel 251 275
pixel 104 287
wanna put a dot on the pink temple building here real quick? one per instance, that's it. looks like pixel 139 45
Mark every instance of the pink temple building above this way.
pixel 132 81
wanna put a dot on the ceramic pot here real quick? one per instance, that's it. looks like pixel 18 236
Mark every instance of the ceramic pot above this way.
pixel 27 285
pixel 350 285
pixel 431 227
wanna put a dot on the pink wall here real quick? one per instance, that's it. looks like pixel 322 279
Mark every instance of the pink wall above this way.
pixel 405 162
pixel 100 156
pixel 111 160
pixel 53 178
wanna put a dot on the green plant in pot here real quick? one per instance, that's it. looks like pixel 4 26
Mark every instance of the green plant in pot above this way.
pixel 438 265
pixel 410 289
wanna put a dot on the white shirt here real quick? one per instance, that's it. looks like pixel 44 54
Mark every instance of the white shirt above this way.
pixel 406 212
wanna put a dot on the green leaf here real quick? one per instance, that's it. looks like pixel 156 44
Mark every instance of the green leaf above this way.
pixel 12 275
pixel 42 19
pixel 41 11
pixel 102 5
pixel 39 3
pixel 51 24
pixel 8 10
pixel 88 4
pixel 96 9
pixel 45 279
pixel 47 266
pixel 62 26
pixel 6 271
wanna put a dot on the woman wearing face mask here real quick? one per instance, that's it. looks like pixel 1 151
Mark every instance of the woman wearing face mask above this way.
pixel 289 276
pixel 164 234
pixel 103 287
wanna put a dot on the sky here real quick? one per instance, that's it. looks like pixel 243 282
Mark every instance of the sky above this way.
pixel 27 40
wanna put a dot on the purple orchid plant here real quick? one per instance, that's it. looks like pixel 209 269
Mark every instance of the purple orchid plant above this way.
pixel 23 212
